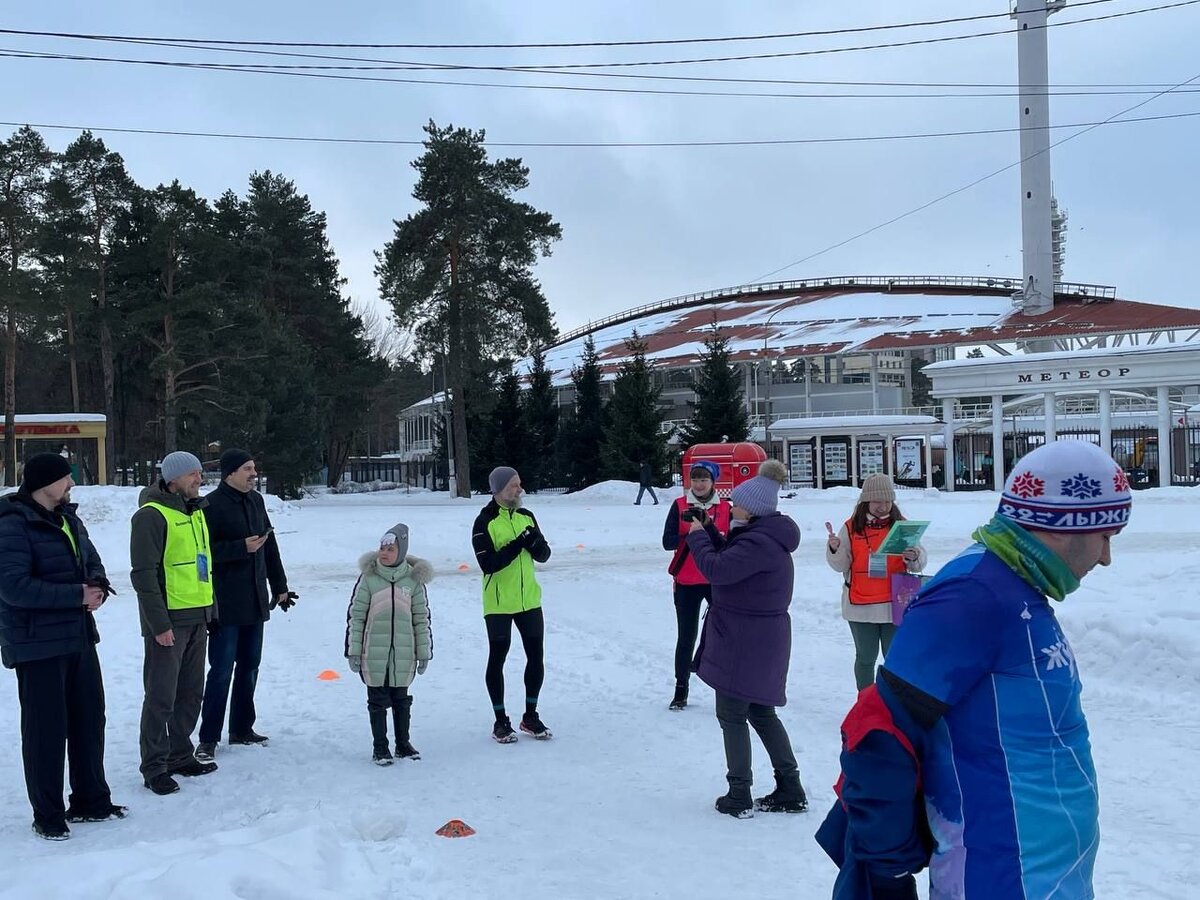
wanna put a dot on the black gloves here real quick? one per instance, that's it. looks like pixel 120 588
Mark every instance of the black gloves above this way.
pixel 902 888
pixel 103 583
pixel 528 537
pixel 287 602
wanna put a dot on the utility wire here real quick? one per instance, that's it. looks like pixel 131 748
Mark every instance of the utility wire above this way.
pixel 1114 119
pixel 590 68
pixel 541 46
pixel 273 69
pixel 852 139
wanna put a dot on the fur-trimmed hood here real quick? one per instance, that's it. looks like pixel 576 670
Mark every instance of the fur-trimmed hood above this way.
pixel 421 570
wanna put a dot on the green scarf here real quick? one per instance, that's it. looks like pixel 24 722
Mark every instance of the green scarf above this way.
pixel 1040 566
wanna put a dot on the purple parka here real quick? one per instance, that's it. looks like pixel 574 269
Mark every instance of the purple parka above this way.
pixel 746 644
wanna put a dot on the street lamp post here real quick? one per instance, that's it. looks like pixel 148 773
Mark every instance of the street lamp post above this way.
pixel 767 417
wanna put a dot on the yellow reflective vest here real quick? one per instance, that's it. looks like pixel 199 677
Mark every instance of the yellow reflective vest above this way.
pixel 187 559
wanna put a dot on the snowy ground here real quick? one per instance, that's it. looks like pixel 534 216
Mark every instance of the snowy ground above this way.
pixel 619 804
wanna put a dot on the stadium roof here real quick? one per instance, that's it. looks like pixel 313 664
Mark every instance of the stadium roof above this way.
pixel 859 315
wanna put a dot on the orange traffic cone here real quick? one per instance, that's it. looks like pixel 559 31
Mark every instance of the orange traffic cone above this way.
pixel 456 828
pixel 328 675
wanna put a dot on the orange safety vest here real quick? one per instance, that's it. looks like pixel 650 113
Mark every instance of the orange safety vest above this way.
pixel 688 573
pixel 863 588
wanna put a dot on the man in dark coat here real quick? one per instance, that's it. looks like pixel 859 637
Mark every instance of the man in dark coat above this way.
pixel 645 483
pixel 246 559
pixel 51 581
pixel 746 644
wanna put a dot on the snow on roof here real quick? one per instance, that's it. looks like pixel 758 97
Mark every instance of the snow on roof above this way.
pixel 57 418
pixel 854 318
pixel 827 422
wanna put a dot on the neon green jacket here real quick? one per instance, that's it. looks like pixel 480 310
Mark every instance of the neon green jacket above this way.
pixel 506 559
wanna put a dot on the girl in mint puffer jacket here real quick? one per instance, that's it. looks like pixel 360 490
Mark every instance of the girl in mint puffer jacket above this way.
pixel 388 639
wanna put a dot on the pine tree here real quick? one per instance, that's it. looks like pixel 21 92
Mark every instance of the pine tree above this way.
pixel 509 446
pixel 720 413
pixel 635 433
pixel 584 433
pixel 539 417
pixel 460 268
pixel 24 169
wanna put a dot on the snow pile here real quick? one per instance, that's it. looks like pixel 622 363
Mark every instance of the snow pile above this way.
pixel 624 785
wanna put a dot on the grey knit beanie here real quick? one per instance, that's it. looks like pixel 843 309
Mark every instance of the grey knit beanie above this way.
pixel 177 464
pixel 500 477
pixel 759 496
pixel 877 487
pixel 397 535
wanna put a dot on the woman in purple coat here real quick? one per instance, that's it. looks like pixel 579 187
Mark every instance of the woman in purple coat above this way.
pixel 747 640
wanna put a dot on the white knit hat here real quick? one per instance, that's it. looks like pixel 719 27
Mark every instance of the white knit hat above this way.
pixel 877 487
pixel 1067 486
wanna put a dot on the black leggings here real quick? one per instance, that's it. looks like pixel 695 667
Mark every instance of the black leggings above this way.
pixel 532 628
pixel 688 598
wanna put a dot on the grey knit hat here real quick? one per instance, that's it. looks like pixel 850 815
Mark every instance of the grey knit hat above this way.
pixel 759 496
pixel 177 464
pixel 877 487
pixel 500 477
pixel 397 535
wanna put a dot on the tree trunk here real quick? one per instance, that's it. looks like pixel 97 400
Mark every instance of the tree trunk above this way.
pixel 458 409
pixel 10 398
pixel 170 369
pixel 72 358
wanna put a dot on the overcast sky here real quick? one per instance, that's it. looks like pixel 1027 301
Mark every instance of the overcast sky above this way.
pixel 644 224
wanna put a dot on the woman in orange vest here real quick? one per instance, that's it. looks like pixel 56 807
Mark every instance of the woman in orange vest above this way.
pixel 691 588
pixel 867 590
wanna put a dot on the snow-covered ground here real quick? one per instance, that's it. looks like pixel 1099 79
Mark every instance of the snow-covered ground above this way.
pixel 619 804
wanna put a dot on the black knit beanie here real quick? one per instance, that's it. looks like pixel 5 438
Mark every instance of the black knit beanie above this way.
pixel 44 469
pixel 232 460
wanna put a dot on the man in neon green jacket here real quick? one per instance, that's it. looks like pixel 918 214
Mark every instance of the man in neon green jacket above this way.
pixel 170 561
pixel 507 542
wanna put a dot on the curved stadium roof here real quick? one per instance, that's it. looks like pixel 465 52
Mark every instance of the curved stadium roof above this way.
pixel 858 315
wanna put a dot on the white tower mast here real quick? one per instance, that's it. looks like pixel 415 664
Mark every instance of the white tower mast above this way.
pixel 1033 67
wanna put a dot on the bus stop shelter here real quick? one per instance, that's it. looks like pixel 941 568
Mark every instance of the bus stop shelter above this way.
pixel 80 435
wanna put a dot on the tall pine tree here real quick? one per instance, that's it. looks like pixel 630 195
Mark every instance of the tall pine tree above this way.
pixel 635 433
pixel 459 270
pixel 509 444
pixel 582 436
pixel 720 412
pixel 539 417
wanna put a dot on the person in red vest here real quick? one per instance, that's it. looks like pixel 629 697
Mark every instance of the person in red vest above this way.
pixel 691 588
pixel 867 589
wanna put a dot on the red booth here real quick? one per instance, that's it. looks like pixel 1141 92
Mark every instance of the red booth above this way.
pixel 738 462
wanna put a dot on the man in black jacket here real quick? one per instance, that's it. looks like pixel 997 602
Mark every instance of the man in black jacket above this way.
pixel 51 581
pixel 246 557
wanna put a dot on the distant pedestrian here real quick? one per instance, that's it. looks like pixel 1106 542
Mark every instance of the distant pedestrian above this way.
pixel 51 582
pixel 245 559
pixel 691 588
pixel 745 648
pixel 645 483
pixel 867 594
pixel 170 557
pixel 507 542
pixel 388 638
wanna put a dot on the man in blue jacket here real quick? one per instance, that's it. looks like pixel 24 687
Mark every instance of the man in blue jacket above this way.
pixel 971 750
pixel 51 581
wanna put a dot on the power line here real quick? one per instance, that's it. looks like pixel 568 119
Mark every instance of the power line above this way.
pixel 778 142
pixel 589 68
pixel 272 69
pixel 1114 119
pixel 538 46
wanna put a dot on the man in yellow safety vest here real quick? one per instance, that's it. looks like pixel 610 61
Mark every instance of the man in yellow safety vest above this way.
pixel 171 570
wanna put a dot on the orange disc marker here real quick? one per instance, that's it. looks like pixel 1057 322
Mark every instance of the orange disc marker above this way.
pixel 579 546
pixel 456 828
pixel 328 675
pixel 463 567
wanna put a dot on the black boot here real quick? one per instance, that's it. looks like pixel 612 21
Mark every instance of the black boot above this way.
pixel 379 737
pixel 401 717
pixel 737 804
pixel 679 701
pixel 788 796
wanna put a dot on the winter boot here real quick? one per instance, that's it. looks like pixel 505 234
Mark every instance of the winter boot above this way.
pixel 679 701
pixel 193 768
pixel 251 737
pixel 102 814
pixel 502 732
pixel 736 804
pixel 379 736
pixel 162 784
pixel 788 796
pixel 51 832
pixel 531 724
pixel 401 717
pixel 206 752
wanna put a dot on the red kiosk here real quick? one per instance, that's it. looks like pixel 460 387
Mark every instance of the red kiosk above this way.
pixel 738 462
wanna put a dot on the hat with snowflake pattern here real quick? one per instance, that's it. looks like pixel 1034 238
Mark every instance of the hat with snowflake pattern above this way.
pixel 1067 486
